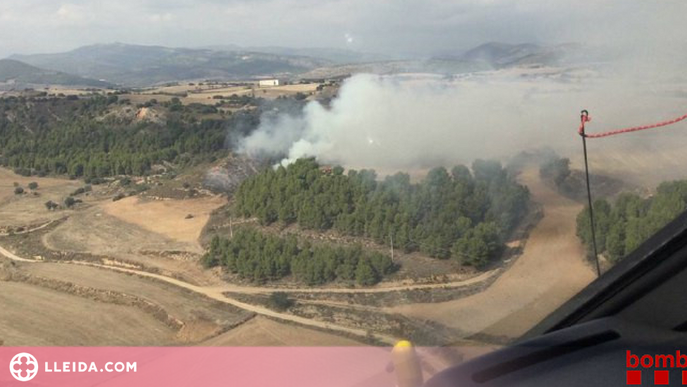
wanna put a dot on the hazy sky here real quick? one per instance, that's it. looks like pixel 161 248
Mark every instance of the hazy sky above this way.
pixel 389 26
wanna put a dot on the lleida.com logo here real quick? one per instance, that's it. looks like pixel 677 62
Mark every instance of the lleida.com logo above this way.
pixel 655 369
pixel 24 367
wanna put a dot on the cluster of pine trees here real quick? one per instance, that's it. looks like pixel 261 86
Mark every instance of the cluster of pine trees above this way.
pixel 622 226
pixel 261 257
pixel 79 137
pixel 460 213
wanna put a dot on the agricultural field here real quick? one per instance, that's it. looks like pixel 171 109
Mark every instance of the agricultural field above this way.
pixel 29 207
pixel 262 332
pixel 164 216
pixel 34 316
pixel 210 93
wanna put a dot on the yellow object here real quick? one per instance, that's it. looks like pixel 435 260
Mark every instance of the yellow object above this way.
pixel 406 364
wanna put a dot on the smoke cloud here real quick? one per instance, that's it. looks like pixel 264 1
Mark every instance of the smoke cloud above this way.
pixel 415 121
pixel 391 122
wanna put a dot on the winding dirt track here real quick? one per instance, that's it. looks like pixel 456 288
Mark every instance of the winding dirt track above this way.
pixel 216 294
pixel 40 227
pixel 550 271
pixel 379 289
pixel 14 257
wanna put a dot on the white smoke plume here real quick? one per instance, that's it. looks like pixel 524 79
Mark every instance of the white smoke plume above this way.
pixel 411 121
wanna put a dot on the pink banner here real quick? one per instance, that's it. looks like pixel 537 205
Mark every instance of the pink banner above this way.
pixel 193 366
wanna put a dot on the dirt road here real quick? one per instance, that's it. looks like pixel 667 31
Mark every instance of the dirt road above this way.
pixel 550 271
pixel 217 294
pixel 14 257
pixel 382 288
pixel 30 230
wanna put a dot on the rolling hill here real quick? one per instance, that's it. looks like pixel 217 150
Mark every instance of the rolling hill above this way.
pixel 138 66
pixel 19 75
pixel 488 56
pixel 503 55
pixel 135 65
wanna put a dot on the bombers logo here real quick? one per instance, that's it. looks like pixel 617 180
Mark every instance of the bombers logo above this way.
pixel 659 365
pixel 24 367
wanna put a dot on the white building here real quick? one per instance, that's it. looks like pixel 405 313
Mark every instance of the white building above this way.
pixel 268 82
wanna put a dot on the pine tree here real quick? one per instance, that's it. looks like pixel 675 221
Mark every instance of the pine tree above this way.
pixel 365 274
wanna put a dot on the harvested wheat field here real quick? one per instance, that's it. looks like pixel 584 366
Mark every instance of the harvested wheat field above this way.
pixel 36 316
pixel 261 331
pixel 200 316
pixel 91 231
pixel 166 217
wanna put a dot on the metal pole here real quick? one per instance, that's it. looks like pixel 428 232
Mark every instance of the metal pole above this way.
pixel 591 210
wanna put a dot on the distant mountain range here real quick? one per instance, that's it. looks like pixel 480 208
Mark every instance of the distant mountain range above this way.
pixel 488 56
pixel 334 55
pixel 500 55
pixel 15 74
pixel 135 65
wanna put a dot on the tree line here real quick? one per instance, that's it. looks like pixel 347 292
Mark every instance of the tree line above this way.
pixel 623 225
pixel 461 214
pixel 87 138
pixel 261 257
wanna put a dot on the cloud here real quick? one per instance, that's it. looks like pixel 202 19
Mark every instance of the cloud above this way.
pixel 161 17
pixel 72 13
pixel 410 26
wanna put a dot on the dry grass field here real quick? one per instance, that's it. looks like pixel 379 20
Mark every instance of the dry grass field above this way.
pixel 201 317
pixel 92 231
pixel 34 316
pixel 207 95
pixel 27 209
pixel 166 217
pixel 203 94
pixel 261 331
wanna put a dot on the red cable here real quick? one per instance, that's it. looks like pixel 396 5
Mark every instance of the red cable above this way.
pixel 584 118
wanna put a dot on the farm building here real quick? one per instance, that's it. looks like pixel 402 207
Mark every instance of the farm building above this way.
pixel 268 82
